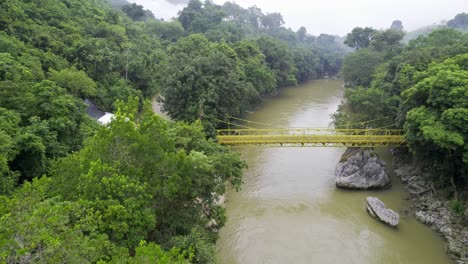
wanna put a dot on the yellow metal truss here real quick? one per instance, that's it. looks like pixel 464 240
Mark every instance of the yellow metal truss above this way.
pixel 316 137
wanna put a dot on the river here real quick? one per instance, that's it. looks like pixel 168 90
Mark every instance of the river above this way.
pixel 289 210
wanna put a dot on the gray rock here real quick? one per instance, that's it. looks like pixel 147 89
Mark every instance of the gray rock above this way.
pixel 446 230
pixel 416 187
pixel 378 210
pixel 425 218
pixel 361 169
pixel 432 209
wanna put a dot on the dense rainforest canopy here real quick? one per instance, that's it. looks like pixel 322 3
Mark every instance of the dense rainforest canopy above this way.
pixel 143 189
pixel 421 87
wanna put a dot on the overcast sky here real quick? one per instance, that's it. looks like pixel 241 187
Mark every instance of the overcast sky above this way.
pixel 337 17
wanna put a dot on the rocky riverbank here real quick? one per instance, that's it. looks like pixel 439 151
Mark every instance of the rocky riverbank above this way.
pixel 429 208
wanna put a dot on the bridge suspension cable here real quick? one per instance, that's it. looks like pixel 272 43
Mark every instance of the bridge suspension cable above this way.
pixel 324 137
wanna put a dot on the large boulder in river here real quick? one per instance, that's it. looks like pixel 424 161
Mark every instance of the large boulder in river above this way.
pixel 361 169
pixel 378 210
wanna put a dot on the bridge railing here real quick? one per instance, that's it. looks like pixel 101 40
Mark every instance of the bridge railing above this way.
pixel 312 136
pixel 308 131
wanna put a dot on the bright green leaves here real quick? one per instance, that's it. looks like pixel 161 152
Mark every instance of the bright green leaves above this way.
pixel 437 120
pixel 36 228
pixel 422 125
pixel 152 253
pixel 76 82
pixel 19 69
pixel 422 87
pixel 147 179
pixel 440 102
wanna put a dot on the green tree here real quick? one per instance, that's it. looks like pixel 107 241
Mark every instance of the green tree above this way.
pixel 204 81
pixel 147 179
pixel 280 59
pixel 255 67
pixel 35 227
pixel 272 20
pixel 306 62
pixel 360 38
pixel 170 31
pixel 365 104
pixel 436 123
pixel 9 130
pixel 359 66
pixel 198 17
pixel 76 82
pixel 134 11
pixel 387 40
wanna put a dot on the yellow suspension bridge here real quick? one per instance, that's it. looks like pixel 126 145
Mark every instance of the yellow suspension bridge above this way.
pixel 314 137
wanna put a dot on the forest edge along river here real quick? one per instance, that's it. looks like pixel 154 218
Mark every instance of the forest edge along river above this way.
pixel 289 210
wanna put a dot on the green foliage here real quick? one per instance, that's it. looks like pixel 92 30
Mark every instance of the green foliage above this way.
pixel 136 12
pixel 96 40
pixel 170 31
pixel 360 38
pixel 147 179
pixel 204 80
pixel 152 253
pixel 141 178
pixel 280 59
pixel 365 105
pixel 198 241
pixel 421 87
pixel 9 128
pixel 387 41
pixel 359 66
pixel 198 70
pixel 372 47
pixel 39 228
pixel 52 124
pixel 457 207
pixel 76 82
pixel 306 62
pixel 438 115
pixel 257 72
pixel 199 18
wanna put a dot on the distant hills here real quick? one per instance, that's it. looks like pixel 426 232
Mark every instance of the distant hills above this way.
pixel 459 22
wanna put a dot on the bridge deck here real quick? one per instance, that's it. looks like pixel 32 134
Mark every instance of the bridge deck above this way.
pixel 317 137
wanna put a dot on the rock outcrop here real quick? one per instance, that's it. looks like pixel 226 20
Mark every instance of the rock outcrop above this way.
pixel 430 208
pixel 378 210
pixel 361 169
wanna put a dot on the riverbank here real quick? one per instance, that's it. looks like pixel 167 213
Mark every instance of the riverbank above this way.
pixel 289 209
pixel 429 207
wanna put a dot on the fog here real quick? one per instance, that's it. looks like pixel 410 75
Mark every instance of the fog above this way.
pixel 337 16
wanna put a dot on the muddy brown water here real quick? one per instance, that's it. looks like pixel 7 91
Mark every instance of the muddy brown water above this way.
pixel 289 210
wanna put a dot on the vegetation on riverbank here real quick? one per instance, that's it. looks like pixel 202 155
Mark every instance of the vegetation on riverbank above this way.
pixel 142 189
pixel 421 87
